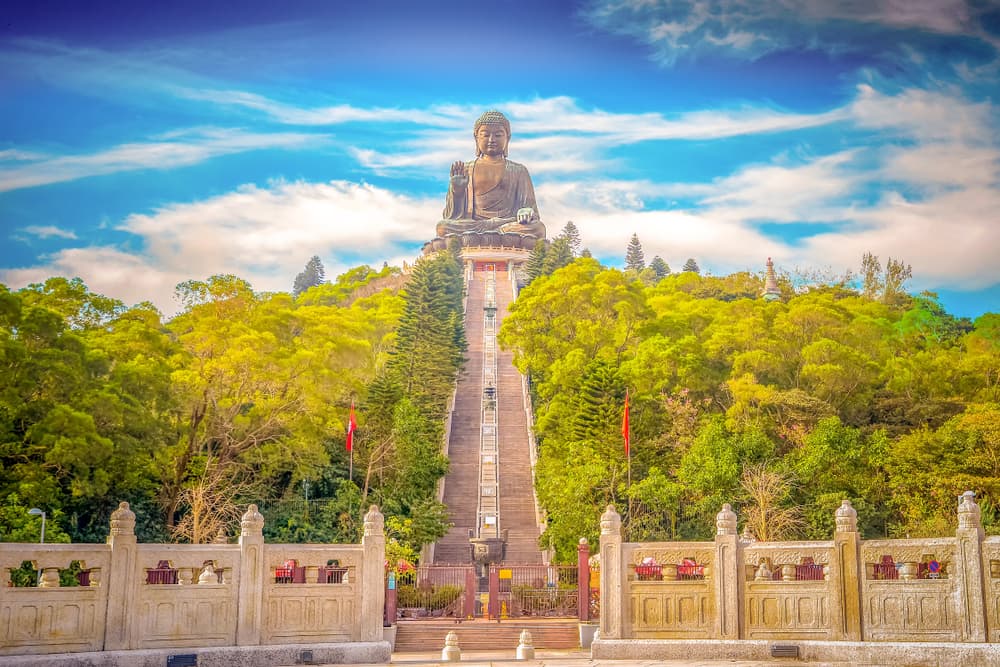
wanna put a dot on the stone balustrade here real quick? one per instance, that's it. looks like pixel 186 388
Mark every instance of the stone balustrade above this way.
pixel 846 589
pixel 155 596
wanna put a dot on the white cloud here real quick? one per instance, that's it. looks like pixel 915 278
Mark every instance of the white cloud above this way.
pixel 49 231
pixel 950 240
pixel 925 115
pixel 812 192
pixel 190 147
pixel 262 234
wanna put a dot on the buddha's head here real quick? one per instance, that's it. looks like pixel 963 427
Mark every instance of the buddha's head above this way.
pixel 492 133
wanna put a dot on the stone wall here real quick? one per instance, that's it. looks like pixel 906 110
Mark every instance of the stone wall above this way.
pixel 846 589
pixel 154 596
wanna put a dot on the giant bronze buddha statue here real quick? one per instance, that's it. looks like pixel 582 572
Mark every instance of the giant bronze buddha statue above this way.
pixel 491 194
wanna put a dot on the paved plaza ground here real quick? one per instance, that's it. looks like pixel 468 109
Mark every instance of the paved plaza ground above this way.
pixel 578 658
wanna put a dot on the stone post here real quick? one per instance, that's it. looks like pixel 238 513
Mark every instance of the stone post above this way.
pixel 118 629
pixel 613 602
pixel 727 577
pixel 845 576
pixel 969 569
pixel 253 573
pixel 372 576
pixel 583 579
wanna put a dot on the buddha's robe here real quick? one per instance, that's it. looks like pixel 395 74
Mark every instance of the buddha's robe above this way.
pixel 473 209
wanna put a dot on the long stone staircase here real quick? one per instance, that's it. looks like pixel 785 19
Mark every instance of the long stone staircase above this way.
pixel 514 506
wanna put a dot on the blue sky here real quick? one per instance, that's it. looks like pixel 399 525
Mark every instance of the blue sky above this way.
pixel 143 146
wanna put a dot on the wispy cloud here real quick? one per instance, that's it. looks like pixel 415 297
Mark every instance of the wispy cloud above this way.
pixel 557 136
pixel 325 115
pixel 677 29
pixel 49 231
pixel 186 148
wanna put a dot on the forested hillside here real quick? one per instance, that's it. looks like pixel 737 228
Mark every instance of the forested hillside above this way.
pixel 782 408
pixel 241 397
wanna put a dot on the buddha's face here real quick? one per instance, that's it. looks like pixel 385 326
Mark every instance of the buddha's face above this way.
pixel 491 140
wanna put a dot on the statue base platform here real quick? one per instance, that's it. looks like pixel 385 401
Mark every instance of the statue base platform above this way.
pixel 487 241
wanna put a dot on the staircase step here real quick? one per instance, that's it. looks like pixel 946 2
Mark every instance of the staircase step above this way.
pixel 461 485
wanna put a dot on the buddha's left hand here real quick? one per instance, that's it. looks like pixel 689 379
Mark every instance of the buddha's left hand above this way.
pixel 524 215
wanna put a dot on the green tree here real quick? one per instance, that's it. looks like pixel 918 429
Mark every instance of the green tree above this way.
pixel 310 276
pixel 634 259
pixel 572 236
pixel 660 268
pixel 691 266
pixel 536 260
pixel 558 255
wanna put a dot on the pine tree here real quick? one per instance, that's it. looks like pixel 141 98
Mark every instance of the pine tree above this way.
pixel 311 276
pixel 586 253
pixel 557 256
pixel 660 268
pixel 634 259
pixel 430 339
pixel 536 260
pixel 572 234
pixel 691 266
pixel 598 402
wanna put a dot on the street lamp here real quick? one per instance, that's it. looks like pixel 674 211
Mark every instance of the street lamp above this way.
pixel 34 511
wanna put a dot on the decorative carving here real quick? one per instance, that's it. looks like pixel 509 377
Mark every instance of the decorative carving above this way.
pixel 725 521
pixel 50 578
pixel 252 523
pixel 668 556
pixel 790 556
pixel 123 520
pixel 611 522
pixel 847 518
pixel 908 552
pixel 208 574
pixel 969 514
pixel 374 522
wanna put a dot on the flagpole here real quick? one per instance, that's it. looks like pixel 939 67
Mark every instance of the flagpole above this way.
pixel 627 433
pixel 629 487
pixel 352 427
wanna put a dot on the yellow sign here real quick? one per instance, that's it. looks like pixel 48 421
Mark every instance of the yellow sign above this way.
pixel 506 574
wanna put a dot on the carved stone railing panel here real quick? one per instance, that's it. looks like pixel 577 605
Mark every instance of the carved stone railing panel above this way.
pixel 53 619
pixel 991 581
pixel 917 610
pixel 200 609
pixel 313 612
pixel 788 610
pixel 671 610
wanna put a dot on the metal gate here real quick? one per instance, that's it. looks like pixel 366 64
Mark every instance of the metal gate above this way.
pixel 431 592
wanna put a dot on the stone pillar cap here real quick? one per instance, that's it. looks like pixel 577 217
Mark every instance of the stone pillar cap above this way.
pixel 725 521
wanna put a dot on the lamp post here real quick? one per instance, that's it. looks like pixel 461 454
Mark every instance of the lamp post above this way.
pixel 34 511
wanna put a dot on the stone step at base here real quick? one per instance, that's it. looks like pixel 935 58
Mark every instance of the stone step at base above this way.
pixel 416 636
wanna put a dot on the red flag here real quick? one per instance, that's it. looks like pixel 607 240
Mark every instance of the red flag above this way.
pixel 625 429
pixel 352 426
